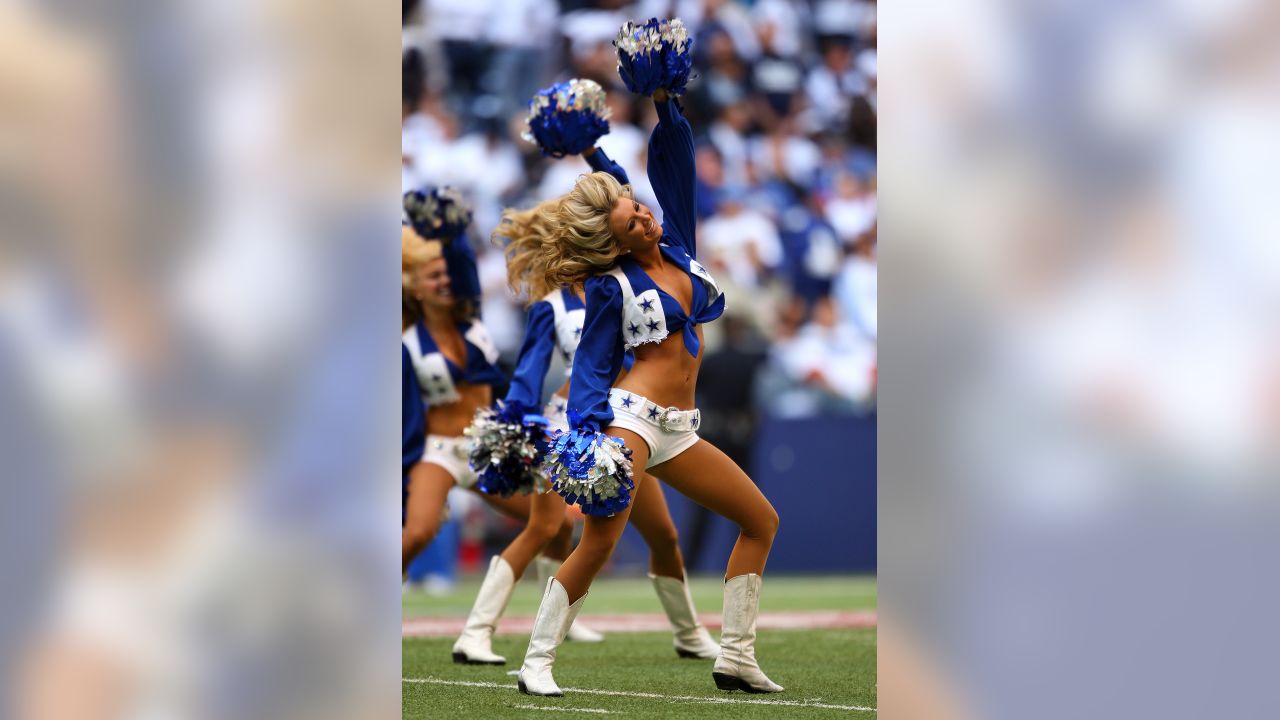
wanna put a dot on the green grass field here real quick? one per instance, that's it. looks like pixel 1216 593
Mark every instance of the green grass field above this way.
pixel 645 679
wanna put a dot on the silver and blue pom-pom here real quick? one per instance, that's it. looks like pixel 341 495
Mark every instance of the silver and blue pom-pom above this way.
pixel 654 54
pixel 439 212
pixel 567 118
pixel 592 470
pixel 508 445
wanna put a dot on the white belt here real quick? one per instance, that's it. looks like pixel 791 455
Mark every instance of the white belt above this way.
pixel 670 419
pixel 459 447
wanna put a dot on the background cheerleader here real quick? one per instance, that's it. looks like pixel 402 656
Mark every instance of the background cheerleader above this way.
pixel 453 362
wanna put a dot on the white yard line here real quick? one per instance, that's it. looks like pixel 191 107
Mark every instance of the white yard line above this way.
pixel 653 696
pixel 649 622
pixel 560 709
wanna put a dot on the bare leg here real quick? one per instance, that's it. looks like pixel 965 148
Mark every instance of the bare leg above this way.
pixel 600 534
pixel 666 568
pixel 547 521
pixel 650 516
pixel 428 488
pixel 558 548
pixel 516 507
pixel 708 477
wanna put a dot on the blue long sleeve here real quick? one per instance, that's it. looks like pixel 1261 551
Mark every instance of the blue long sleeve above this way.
pixel 413 422
pixel 464 275
pixel 600 162
pixel 599 356
pixel 535 356
pixel 673 173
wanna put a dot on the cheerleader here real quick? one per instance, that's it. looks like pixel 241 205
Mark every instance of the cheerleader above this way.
pixel 554 326
pixel 645 292
pixel 452 360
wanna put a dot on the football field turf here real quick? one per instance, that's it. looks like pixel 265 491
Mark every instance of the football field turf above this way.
pixel 828 670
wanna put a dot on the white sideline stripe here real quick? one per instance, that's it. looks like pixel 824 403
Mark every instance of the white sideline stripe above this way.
pixel 653 696
pixel 560 709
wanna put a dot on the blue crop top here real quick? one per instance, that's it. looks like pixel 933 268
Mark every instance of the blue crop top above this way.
pixel 438 376
pixel 625 307
pixel 555 322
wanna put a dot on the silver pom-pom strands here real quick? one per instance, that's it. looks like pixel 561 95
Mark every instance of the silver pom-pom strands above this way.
pixel 592 470
pixel 654 54
pixel 567 118
pixel 507 448
pixel 438 212
pixel 652 36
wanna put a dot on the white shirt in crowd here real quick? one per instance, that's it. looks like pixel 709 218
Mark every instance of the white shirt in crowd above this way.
pixel 799 159
pixel 732 146
pixel 788 19
pixel 855 293
pixel 845 360
pixel 852 216
pixel 843 17
pixel 524 23
pixel 829 93
pixel 461 20
pixel 726 237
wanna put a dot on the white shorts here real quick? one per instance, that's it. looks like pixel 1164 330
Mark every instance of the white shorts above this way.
pixel 453 454
pixel 556 413
pixel 667 431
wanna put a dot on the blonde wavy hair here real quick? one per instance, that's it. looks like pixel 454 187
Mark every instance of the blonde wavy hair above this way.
pixel 562 242
pixel 415 251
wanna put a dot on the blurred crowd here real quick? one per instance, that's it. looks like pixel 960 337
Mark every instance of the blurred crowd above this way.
pixel 783 106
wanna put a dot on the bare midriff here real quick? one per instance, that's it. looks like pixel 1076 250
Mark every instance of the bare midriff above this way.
pixel 665 372
pixel 451 419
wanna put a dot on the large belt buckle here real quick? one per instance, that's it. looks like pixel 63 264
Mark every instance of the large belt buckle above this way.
pixel 666 422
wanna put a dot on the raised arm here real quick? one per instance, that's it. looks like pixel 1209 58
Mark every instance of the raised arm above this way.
pixel 535 357
pixel 464 275
pixel 599 356
pixel 600 162
pixel 672 172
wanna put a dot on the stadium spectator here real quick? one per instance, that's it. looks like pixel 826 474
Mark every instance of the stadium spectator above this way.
pixel 855 286
pixel 741 243
pixel 828 365
pixel 852 212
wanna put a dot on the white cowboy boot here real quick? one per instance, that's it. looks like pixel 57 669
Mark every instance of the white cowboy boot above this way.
pixel 555 615
pixel 578 632
pixel 736 668
pixel 473 647
pixel 691 639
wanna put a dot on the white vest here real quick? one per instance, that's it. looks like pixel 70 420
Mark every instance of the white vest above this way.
pixel 568 324
pixel 432 369
pixel 643 318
